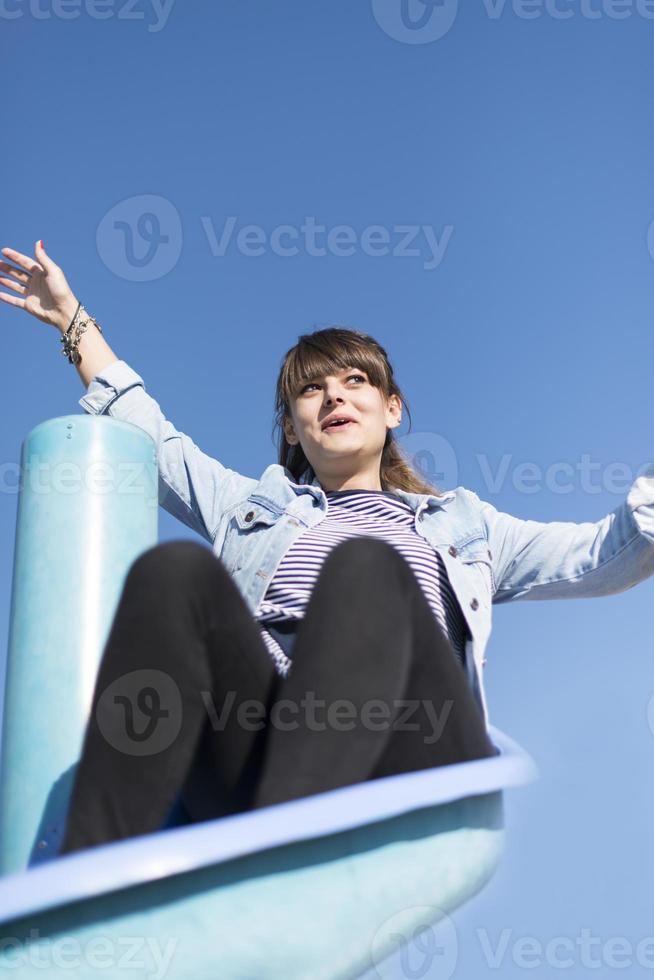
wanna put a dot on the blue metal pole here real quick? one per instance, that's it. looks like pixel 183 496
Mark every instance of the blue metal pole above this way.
pixel 87 508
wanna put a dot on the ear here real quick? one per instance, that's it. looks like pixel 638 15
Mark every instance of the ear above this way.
pixel 289 432
pixel 393 412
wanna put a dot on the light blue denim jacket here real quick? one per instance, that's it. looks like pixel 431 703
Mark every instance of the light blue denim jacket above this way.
pixel 490 556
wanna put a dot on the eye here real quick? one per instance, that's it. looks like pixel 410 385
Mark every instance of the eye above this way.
pixel 312 384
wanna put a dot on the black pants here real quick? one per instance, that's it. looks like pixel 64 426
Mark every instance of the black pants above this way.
pixel 188 700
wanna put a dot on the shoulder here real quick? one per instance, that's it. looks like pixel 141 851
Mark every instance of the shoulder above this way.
pixel 467 511
pixel 461 497
pixel 274 485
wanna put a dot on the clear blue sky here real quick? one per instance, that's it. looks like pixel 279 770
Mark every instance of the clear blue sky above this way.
pixel 523 147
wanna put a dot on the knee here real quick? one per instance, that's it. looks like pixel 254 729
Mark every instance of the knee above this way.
pixel 364 553
pixel 178 561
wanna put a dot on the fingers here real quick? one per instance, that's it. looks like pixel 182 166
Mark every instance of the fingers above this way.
pixel 13 285
pixel 13 300
pixel 40 252
pixel 23 277
pixel 24 261
pixel 45 261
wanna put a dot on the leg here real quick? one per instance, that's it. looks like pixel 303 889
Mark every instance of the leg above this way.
pixel 368 635
pixel 182 641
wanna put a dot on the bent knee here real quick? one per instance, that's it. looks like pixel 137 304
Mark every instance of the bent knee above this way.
pixel 182 559
pixel 366 550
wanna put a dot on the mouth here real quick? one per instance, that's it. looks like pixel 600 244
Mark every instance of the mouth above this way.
pixel 339 426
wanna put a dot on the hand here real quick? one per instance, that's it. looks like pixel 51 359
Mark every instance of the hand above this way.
pixel 41 287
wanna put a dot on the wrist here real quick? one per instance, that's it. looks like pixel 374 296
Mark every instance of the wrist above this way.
pixel 70 337
pixel 65 313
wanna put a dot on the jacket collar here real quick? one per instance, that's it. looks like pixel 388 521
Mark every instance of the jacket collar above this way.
pixel 276 476
pixel 414 500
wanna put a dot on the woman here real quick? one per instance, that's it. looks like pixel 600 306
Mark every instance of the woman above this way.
pixel 340 581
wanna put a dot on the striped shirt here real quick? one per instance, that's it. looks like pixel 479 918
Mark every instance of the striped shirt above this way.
pixel 353 513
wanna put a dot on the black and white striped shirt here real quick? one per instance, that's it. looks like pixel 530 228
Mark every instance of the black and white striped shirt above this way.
pixel 353 513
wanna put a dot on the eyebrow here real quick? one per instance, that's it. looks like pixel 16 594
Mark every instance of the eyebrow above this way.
pixel 347 370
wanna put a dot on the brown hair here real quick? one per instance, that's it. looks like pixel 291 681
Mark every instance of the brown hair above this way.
pixel 326 351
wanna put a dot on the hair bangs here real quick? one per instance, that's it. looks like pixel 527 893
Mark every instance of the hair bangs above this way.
pixel 316 356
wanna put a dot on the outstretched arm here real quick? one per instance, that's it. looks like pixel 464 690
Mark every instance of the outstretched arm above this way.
pixel 193 487
pixel 40 287
pixel 565 560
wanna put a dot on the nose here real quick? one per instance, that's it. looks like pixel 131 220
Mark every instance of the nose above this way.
pixel 332 393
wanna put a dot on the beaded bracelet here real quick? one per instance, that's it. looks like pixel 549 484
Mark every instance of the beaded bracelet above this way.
pixel 70 342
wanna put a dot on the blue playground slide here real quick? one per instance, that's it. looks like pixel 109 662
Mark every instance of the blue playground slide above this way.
pixel 311 888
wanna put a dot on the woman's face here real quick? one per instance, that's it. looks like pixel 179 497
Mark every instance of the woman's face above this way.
pixel 338 452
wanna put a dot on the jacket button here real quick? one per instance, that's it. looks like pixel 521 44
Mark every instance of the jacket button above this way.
pixel 249 516
pixel 474 604
pixel 452 550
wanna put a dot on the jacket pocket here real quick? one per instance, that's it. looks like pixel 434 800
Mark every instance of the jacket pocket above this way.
pixel 476 556
pixel 248 516
pixel 247 536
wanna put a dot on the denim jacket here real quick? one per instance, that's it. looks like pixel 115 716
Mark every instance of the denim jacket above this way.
pixel 490 557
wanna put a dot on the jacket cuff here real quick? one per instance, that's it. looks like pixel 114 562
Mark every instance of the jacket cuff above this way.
pixel 640 501
pixel 108 385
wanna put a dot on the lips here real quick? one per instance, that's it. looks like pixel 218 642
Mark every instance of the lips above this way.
pixel 328 424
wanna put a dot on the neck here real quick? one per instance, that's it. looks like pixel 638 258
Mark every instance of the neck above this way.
pixel 356 482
